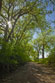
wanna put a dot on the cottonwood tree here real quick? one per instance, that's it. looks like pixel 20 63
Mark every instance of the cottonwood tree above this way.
pixel 42 41
pixel 37 47
pixel 13 11
pixel 17 17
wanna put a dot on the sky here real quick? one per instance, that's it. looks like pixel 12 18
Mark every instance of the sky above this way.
pixel 50 17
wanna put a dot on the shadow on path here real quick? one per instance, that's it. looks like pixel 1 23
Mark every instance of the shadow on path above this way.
pixel 31 73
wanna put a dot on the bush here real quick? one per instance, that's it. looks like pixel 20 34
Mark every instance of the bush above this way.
pixel 43 61
pixel 51 58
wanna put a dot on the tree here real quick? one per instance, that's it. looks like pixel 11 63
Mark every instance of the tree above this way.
pixel 37 46
pixel 17 20
pixel 41 43
pixel 13 10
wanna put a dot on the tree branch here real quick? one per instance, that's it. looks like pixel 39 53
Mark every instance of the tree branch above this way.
pixel 23 31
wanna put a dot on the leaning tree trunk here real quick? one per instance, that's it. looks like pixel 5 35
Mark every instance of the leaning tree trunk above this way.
pixel 43 51
pixel 0 4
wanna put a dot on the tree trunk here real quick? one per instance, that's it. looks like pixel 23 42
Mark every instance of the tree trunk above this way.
pixel 38 55
pixel 6 33
pixel 43 51
pixel 0 4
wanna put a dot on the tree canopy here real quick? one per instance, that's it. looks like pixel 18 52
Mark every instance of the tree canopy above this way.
pixel 19 20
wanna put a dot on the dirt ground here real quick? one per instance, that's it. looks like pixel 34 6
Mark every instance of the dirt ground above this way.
pixel 31 73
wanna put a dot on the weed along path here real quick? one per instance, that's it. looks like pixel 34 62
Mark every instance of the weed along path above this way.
pixel 31 73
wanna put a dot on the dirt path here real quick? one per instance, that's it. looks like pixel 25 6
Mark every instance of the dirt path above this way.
pixel 31 73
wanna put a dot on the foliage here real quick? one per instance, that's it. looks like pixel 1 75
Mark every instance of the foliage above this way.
pixel 18 19
pixel 51 57
pixel 42 61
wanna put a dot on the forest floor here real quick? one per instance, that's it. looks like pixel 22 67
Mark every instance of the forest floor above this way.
pixel 31 73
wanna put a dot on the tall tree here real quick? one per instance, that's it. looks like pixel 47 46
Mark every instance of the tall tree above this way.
pixel 43 40
pixel 15 10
